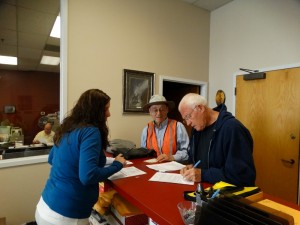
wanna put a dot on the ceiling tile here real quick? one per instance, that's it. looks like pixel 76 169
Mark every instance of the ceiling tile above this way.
pixel 30 53
pixel 48 53
pixel 10 50
pixel 53 41
pixel 30 40
pixel 8 16
pixel 47 6
pixel 35 22
pixel 9 37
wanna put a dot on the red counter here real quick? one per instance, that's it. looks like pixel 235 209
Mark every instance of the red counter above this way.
pixel 159 200
pixel 156 199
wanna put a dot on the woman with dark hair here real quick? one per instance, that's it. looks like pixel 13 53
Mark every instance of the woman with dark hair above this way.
pixel 77 163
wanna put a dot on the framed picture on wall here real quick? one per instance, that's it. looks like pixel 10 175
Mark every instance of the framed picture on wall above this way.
pixel 9 109
pixel 138 88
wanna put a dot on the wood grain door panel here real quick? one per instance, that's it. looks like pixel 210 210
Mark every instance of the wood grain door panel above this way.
pixel 270 109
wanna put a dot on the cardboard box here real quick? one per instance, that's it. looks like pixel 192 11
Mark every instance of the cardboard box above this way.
pixel 114 207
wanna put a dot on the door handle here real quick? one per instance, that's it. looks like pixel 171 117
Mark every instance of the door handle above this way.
pixel 291 161
pixel 293 136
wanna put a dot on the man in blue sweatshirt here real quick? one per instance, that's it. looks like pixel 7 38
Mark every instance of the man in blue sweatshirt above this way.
pixel 219 141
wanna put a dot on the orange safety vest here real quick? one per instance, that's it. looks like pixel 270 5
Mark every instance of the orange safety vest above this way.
pixel 169 146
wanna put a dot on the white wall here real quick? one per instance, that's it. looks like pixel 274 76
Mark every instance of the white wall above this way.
pixel 251 34
pixel 20 189
pixel 168 37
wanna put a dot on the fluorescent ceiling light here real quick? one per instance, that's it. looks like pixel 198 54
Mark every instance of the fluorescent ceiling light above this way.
pixel 10 60
pixel 50 60
pixel 56 28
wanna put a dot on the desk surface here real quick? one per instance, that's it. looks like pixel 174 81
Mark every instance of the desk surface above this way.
pixel 159 200
pixel 156 199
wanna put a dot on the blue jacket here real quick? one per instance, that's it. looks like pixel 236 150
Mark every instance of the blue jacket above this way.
pixel 230 152
pixel 78 163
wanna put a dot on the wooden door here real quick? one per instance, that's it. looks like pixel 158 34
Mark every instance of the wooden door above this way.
pixel 270 109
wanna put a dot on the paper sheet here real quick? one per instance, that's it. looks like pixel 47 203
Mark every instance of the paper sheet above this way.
pixel 170 178
pixel 150 160
pixel 168 166
pixel 293 212
pixel 127 172
pixel 109 161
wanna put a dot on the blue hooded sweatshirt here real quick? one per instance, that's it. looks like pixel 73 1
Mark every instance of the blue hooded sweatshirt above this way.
pixel 230 151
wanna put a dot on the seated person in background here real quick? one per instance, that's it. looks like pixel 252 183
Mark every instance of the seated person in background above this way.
pixel 222 143
pixel 45 136
pixel 166 136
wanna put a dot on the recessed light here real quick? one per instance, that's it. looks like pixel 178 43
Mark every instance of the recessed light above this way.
pixel 50 60
pixel 10 60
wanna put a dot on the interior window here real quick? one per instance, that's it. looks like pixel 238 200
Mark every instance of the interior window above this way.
pixel 30 89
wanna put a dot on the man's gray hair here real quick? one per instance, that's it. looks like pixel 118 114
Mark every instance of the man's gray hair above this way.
pixel 192 100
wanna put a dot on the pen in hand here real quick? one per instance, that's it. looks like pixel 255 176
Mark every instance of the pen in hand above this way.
pixel 184 172
pixel 197 163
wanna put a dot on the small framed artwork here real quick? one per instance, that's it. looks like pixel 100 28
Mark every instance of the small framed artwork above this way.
pixel 137 90
pixel 9 109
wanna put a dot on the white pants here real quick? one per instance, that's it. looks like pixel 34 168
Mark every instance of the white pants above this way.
pixel 46 216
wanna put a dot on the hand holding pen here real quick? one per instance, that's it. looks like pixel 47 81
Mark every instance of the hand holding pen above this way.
pixel 191 173
pixel 197 163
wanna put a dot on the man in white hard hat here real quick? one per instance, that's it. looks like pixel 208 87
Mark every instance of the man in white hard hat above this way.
pixel 166 136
